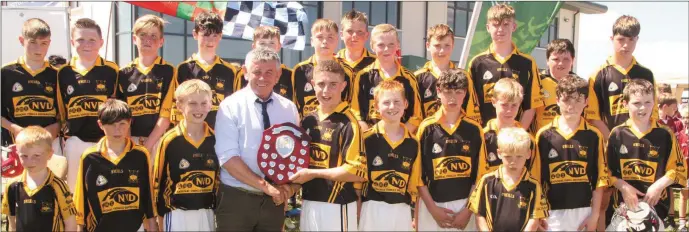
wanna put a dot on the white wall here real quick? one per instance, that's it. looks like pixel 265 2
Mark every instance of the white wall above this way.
pixel 13 20
pixel 101 13
pixel 413 28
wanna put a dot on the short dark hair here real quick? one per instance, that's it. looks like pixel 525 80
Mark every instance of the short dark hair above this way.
pixel 666 99
pixel 455 78
pixel 208 23
pixel 637 86
pixel 112 111
pixel 559 46
pixel 572 85
pixel 330 66
pixel 626 26
pixel 664 88
pixel 56 60
pixel 35 28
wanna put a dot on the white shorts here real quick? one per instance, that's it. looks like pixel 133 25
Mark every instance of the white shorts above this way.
pixel 74 148
pixel 323 216
pixel 567 219
pixel 381 216
pixel 427 223
pixel 189 220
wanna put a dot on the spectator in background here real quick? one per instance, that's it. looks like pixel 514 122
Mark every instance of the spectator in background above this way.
pixel 57 61
pixel 667 105
pixel 666 88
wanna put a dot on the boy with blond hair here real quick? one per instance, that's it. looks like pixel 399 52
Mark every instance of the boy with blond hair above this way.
pixel 83 85
pixel 394 164
pixel 509 199
pixel 504 60
pixel 385 43
pixel 507 97
pixel 354 34
pixel 269 37
pixel 186 175
pixel 440 43
pixel 324 41
pixel 570 163
pixel 337 160
pixel 451 145
pixel 28 86
pixel 113 190
pixel 37 200
pixel 145 84
pixel 643 156
pixel 206 65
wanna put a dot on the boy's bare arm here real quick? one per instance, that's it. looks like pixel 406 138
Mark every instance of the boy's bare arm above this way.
pixel 71 223
pixel 531 225
pixel 481 223
pixel 629 193
pixel 12 221
pixel 527 118
pixel 335 174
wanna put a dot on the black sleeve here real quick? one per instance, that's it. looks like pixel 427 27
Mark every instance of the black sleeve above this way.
pixel 145 188
pixel 613 157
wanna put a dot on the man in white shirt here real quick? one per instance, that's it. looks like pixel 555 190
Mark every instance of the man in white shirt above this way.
pixel 247 202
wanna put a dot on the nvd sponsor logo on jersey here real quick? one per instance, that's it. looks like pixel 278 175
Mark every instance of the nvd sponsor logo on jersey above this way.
pixel 196 182
pixel 568 172
pixel 144 104
pixel 310 104
pixel 389 181
pixel 320 155
pixel 636 169
pixel 118 199
pixel 451 167
pixel 84 106
pixel 33 106
pixel 616 106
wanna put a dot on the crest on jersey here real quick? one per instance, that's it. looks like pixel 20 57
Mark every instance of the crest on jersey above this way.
pixel 552 153
pixel 492 157
pixel 132 87
pixel 436 148
pixel 612 87
pixel 377 161
pixel 183 164
pixel 428 93
pixel 623 149
pixel 70 89
pixel 487 75
pixel 546 94
pixel 100 181
pixel 371 92
pixel 308 87
pixel 17 87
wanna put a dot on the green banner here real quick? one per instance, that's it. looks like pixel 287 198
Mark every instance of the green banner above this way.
pixel 533 19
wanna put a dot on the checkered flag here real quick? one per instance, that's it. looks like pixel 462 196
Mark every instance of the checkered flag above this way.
pixel 242 17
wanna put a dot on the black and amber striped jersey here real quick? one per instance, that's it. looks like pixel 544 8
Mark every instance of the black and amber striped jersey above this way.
pixel 147 91
pixel 221 76
pixel 394 167
pixel 427 79
pixel 368 78
pixel 505 207
pixel 187 171
pixel 336 140
pixel 81 92
pixel 545 114
pixel 365 60
pixel 570 166
pixel 486 69
pixel 605 92
pixel 28 96
pixel 113 193
pixel 449 156
pixel 283 87
pixel 641 158
pixel 44 208
pixel 490 161
pixel 304 94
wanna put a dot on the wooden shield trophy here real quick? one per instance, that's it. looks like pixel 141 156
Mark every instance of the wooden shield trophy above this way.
pixel 284 150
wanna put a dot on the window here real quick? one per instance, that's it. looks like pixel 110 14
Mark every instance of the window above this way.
pixel 377 12
pixel 549 35
pixel 458 17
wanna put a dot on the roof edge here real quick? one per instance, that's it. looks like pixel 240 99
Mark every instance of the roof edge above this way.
pixel 585 7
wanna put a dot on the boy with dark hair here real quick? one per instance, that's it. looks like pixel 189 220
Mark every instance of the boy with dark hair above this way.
pixel 569 161
pixel 354 34
pixel 337 160
pixel 206 65
pixel 504 60
pixel 643 156
pixel 113 191
pixel 560 61
pixel 450 150
pixel 57 61
pixel 83 85
pixel 667 104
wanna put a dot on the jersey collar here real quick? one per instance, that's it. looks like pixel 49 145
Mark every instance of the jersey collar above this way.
pixel 439 115
pixel 495 55
pixel 554 124
pixel 376 65
pixel 380 130
pixel 340 108
pixel 73 64
pixel 182 129
pixel 197 58
pixel 22 61
pixel 430 67
pixel 524 176
pixel 342 55
pixel 145 70
pixel 103 148
pixel 492 125
pixel 621 69
pixel 640 134
pixel 39 187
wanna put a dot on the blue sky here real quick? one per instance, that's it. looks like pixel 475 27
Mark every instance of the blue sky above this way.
pixel 663 42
